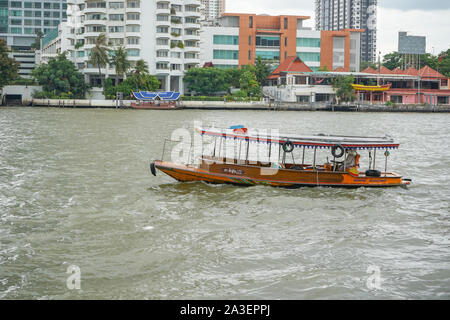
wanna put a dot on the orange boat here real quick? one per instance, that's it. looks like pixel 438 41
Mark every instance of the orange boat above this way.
pixel 282 169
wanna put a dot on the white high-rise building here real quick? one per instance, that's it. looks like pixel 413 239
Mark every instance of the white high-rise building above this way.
pixel 164 33
pixel 212 9
pixel 351 14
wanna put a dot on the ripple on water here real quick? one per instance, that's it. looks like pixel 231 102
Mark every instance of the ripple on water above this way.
pixel 75 190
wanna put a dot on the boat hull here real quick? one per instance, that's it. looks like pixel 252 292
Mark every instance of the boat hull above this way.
pixel 246 175
pixel 151 106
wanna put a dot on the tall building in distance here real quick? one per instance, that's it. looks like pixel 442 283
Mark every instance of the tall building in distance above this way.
pixel 236 40
pixel 351 14
pixel 212 9
pixel 163 33
pixel 21 20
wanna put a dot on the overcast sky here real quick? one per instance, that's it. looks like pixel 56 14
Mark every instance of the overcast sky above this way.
pixel 430 18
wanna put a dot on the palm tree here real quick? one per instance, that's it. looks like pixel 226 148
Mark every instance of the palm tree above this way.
pixel 141 67
pixel 99 55
pixel 121 63
pixel 140 71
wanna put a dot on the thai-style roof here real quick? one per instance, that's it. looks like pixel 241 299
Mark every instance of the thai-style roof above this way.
pixel 429 73
pixel 340 69
pixel 369 70
pixel 384 70
pixel 411 71
pixel 290 64
pixel 308 141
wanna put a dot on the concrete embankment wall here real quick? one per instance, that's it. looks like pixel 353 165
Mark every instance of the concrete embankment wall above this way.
pixel 220 105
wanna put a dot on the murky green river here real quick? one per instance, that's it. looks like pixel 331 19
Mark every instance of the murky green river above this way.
pixel 75 190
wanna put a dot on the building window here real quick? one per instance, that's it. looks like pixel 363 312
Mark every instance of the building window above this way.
pixel 226 40
pixel 250 22
pixel 267 41
pixel 226 54
pixel 309 56
pixel 268 55
pixel 285 23
pixel 308 42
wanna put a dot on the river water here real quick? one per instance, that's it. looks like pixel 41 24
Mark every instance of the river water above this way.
pixel 75 190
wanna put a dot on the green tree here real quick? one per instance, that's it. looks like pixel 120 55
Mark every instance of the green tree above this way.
pixel 343 88
pixel 99 55
pixel 8 67
pixel 249 84
pixel 392 60
pixel 121 63
pixel 145 82
pixel 324 69
pixel 141 67
pixel 60 78
pixel 37 42
pixel 367 64
pixel 429 60
pixel 207 81
pixel 233 76
pixel 140 75
pixel 262 70
pixel 443 65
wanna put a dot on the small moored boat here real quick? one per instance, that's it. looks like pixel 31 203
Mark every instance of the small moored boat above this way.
pixel 284 164
pixel 361 87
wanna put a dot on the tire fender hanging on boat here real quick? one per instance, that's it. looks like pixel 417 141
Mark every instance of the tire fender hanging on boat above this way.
pixel 337 151
pixel 288 146
pixel 153 168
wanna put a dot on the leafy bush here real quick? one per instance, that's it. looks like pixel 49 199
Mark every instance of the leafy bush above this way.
pixel 136 82
pixel 61 76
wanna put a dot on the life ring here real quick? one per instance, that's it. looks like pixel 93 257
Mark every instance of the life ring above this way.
pixel 334 150
pixel 288 146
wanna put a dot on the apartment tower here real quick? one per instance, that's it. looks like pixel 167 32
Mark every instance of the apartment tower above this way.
pixel 212 9
pixel 351 14
pixel 163 33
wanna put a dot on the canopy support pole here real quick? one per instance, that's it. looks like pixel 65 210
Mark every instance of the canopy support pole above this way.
pixel 374 158
pixel 385 163
pixel 248 147
pixel 214 151
pixel 303 158
pixel 345 162
pixel 240 146
pixel 270 151
pixel 279 152
pixel 314 162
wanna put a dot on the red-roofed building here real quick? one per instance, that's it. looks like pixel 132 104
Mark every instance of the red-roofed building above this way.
pixel 369 70
pixel 292 65
pixel 384 70
pixel 411 72
pixel 429 73
pixel 293 81
pixel 397 71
